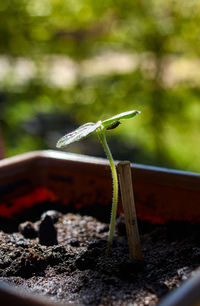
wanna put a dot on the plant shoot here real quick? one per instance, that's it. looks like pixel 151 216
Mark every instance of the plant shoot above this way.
pixel 100 128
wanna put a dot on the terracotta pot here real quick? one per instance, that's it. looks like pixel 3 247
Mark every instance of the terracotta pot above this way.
pixel 80 181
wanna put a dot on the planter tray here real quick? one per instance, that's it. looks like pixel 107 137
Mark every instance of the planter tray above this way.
pixel 77 180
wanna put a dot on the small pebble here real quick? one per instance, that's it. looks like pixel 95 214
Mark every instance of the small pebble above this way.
pixel 53 214
pixel 47 232
pixel 28 230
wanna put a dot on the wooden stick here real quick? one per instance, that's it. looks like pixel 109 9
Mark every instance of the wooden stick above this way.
pixel 126 187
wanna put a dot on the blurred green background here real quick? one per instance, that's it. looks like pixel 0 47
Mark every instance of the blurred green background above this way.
pixel 64 63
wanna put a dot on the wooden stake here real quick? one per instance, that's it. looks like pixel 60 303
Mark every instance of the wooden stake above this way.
pixel 126 187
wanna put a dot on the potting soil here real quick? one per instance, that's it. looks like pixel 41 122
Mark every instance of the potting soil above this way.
pixel 77 268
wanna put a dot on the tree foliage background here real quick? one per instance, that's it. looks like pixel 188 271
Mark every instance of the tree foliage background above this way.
pixel 64 63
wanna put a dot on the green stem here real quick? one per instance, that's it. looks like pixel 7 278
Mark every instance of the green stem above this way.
pixel 101 134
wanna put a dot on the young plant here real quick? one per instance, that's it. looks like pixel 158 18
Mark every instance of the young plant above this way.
pixel 100 127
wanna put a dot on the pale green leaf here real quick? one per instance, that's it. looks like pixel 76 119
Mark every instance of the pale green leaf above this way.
pixel 78 134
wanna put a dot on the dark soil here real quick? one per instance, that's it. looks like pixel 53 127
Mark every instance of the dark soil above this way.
pixel 78 269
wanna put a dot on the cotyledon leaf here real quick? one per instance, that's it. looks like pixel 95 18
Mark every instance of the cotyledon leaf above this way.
pixel 122 116
pixel 79 133
pixel 88 128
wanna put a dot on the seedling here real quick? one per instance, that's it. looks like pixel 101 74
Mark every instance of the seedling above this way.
pixel 100 127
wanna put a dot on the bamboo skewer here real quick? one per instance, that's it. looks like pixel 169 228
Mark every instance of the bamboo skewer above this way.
pixel 126 187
